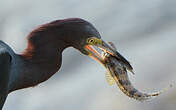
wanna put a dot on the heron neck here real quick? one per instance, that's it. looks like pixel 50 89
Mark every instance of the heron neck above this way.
pixel 34 67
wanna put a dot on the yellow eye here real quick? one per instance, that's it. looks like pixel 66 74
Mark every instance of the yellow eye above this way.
pixel 91 41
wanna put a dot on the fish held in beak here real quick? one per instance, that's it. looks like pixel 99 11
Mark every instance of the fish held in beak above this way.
pixel 98 44
pixel 117 73
pixel 117 67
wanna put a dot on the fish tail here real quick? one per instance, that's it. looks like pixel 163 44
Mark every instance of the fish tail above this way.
pixel 164 90
pixel 134 93
pixel 127 88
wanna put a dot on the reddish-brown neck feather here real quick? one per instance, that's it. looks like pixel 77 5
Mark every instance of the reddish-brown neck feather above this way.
pixel 41 59
pixel 43 55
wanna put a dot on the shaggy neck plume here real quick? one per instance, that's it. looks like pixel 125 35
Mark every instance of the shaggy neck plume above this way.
pixel 41 59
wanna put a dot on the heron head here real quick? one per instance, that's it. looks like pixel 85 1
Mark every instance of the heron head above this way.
pixel 83 36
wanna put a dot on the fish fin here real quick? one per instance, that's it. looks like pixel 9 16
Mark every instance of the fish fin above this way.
pixel 110 79
pixel 165 89
pixel 153 95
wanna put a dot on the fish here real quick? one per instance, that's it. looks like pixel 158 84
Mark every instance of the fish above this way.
pixel 117 74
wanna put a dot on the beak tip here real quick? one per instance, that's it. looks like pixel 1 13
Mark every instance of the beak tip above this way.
pixel 132 72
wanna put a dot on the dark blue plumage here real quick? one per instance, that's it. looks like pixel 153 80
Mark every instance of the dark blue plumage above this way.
pixel 43 56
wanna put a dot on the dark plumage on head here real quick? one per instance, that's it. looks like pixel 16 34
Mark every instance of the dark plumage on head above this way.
pixel 43 56
pixel 60 34
pixel 72 32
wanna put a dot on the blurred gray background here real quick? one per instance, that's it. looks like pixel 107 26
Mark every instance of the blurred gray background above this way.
pixel 143 31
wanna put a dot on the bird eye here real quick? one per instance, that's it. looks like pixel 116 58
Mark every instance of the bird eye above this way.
pixel 91 41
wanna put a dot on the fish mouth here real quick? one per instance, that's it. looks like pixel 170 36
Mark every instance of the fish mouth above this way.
pixel 95 52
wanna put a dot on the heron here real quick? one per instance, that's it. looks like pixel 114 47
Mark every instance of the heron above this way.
pixel 43 56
